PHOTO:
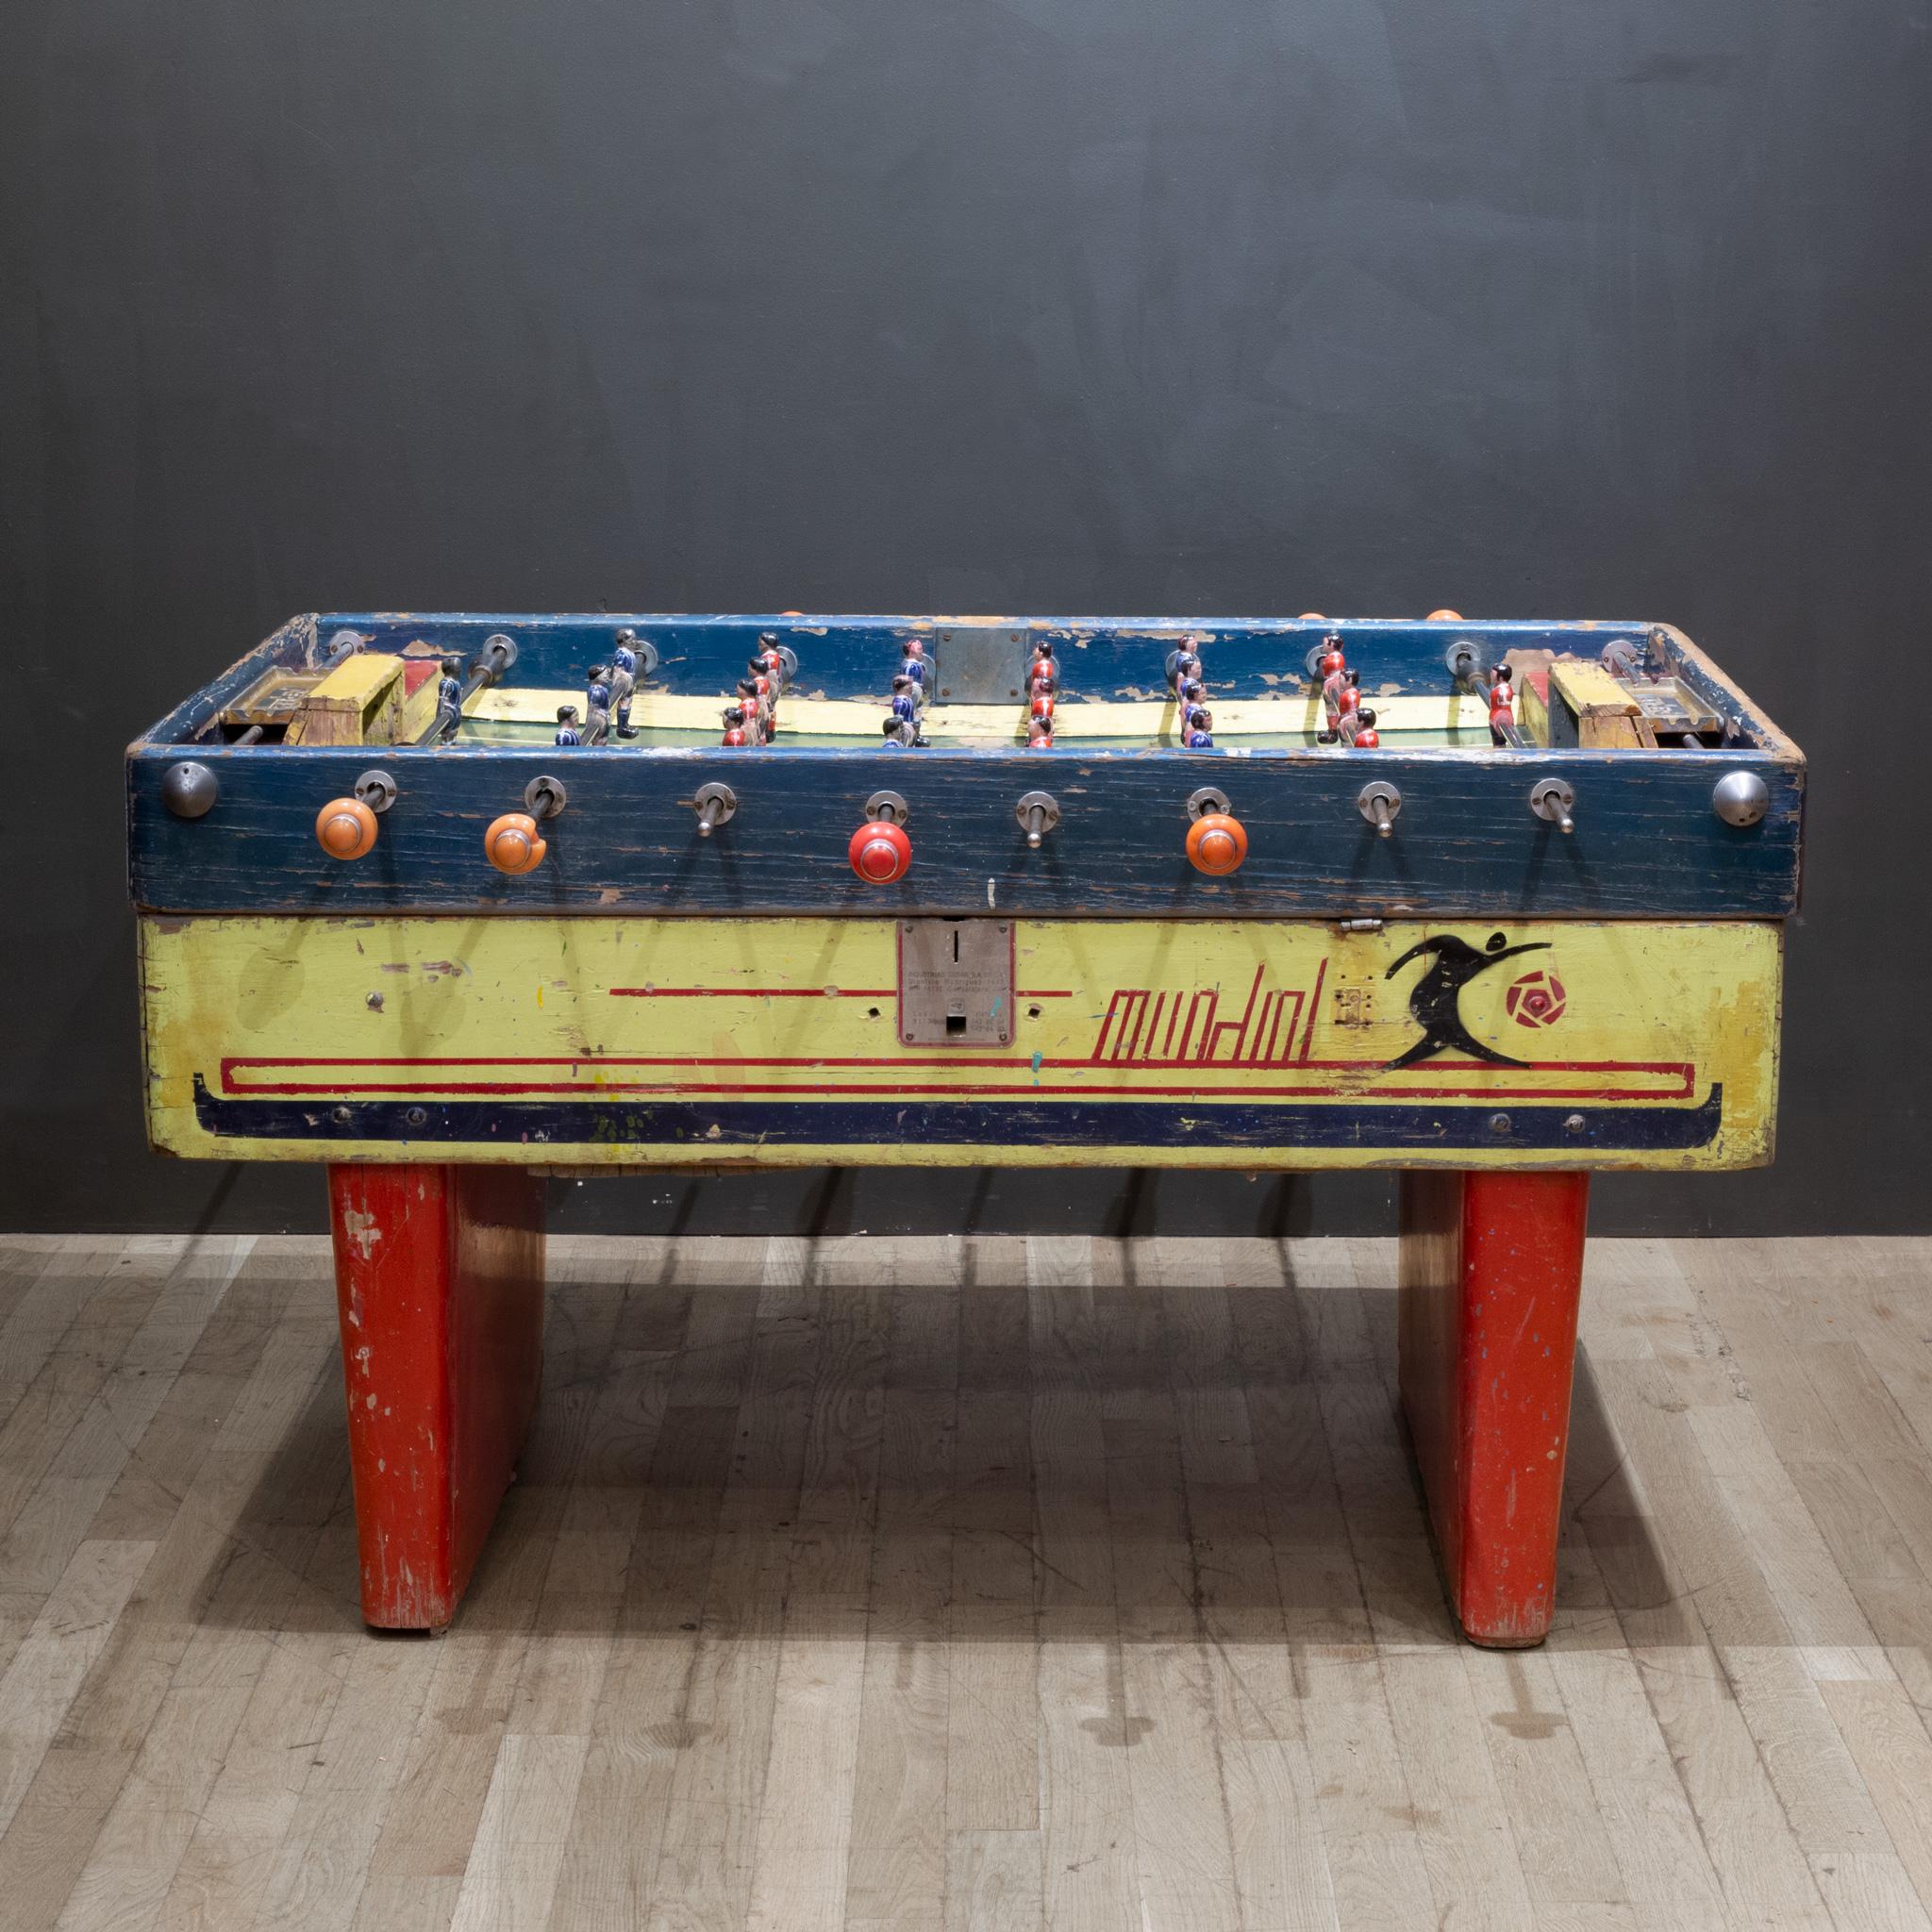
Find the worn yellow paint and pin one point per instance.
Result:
(346, 704)
(1075, 718)
(1653, 1014)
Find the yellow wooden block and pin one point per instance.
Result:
(1254, 1044)
(1606, 713)
(354, 704)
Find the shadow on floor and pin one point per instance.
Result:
(1132, 1459)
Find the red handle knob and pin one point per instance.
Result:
(880, 852)
(1216, 844)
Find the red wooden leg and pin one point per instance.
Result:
(1491, 1273)
(439, 1283)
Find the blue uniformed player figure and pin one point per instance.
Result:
(449, 698)
(1200, 730)
(914, 666)
(624, 679)
(567, 732)
(597, 704)
(904, 699)
(898, 733)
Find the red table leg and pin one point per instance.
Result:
(1492, 1272)
(440, 1282)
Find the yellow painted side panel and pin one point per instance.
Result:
(1248, 1044)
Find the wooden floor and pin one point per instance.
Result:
(1009, 1583)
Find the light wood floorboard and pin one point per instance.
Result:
(1051, 1583)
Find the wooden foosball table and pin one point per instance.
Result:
(455, 903)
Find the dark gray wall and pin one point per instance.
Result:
(1543, 307)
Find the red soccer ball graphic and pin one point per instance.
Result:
(1535, 1000)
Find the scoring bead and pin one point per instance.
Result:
(880, 852)
(512, 845)
(346, 828)
(1216, 844)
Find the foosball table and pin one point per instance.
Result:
(454, 903)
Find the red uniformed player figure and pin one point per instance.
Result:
(1044, 676)
(1366, 738)
(1043, 707)
(762, 710)
(1501, 708)
(1340, 693)
(734, 724)
(1332, 658)
(1040, 734)
(769, 660)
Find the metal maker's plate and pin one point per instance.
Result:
(981, 664)
(956, 982)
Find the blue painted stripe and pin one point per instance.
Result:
(552, 1127)
(1646, 846)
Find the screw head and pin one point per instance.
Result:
(1741, 798)
(189, 789)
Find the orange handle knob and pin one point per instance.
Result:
(1216, 844)
(1445, 617)
(513, 844)
(346, 828)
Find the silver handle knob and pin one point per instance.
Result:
(1553, 800)
(1380, 802)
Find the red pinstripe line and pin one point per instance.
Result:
(753, 993)
(592, 1091)
(1017, 1062)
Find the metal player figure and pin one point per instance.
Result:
(769, 659)
(1365, 737)
(624, 679)
(597, 704)
(449, 698)
(1502, 710)
(734, 726)
(904, 699)
(899, 734)
(1040, 734)
(1200, 735)
(1339, 692)
(567, 732)
(914, 666)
